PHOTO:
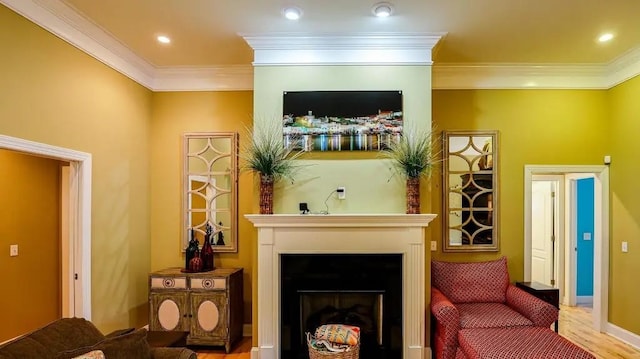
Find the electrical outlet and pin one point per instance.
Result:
(434, 246)
(13, 250)
(342, 193)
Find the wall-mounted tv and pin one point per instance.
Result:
(342, 120)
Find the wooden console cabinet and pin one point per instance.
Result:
(207, 305)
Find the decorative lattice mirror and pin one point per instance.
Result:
(210, 189)
(470, 185)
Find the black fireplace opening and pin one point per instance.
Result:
(364, 290)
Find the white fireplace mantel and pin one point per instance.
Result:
(341, 233)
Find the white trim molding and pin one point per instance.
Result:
(518, 76)
(623, 335)
(341, 233)
(342, 49)
(224, 78)
(79, 216)
(68, 24)
(584, 299)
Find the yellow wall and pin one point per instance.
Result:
(361, 174)
(30, 218)
(624, 128)
(52, 93)
(535, 127)
(175, 113)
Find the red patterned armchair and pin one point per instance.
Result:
(479, 295)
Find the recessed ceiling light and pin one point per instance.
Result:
(605, 37)
(383, 9)
(292, 12)
(163, 39)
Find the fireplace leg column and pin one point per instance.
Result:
(414, 301)
(269, 294)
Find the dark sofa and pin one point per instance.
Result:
(69, 337)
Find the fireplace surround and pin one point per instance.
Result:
(283, 234)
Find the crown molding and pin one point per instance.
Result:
(319, 49)
(512, 76)
(222, 78)
(67, 24)
(623, 68)
(342, 49)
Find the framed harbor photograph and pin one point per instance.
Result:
(342, 120)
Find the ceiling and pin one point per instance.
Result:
(483, 44)
(206, 32)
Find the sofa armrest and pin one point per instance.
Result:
(173, 353)
(447, 317)
(541, 313)
(119, 332)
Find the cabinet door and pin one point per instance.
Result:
(210, 317)
(168, 311)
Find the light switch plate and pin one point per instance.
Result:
(13, 250)
(586, 236)
(434, 246)
(625, 247)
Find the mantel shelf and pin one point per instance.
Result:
(340, 220)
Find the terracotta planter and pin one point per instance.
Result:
(266, 194)
(413, 195)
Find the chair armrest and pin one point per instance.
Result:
(541, 313)
(173, 353)
(447, 317)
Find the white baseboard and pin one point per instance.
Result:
(247, 330)
(584, 299)
(623, 335)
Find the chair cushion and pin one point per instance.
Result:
(472, 282)
(490, 315)
(521, 343)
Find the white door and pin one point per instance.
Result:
(542, 232)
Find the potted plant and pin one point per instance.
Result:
(267, 155)
(412, 157)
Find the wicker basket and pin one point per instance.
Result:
(353, 353)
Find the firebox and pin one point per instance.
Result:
(356, 289)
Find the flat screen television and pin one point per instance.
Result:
(342, 120)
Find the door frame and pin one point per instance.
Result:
(79, 216)
(601, 231)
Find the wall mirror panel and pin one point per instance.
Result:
(210, 189)
(470, 186)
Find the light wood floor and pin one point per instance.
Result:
(575, 325)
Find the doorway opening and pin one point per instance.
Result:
(561, 261)
(77, 196)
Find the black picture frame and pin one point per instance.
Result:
(342, 120)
